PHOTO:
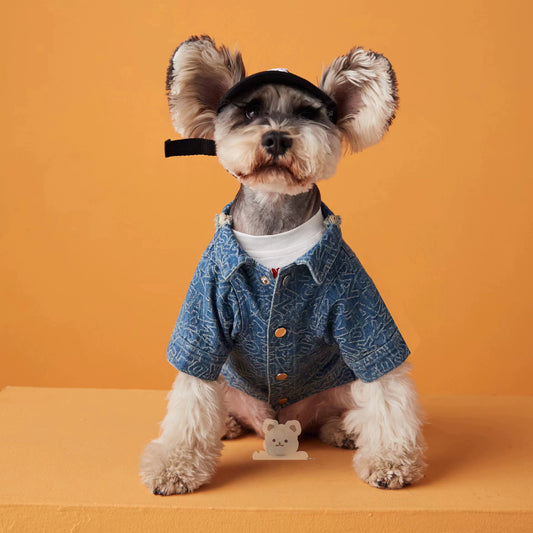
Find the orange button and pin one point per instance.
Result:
(281, 377)
(280, 332)
(283, 401)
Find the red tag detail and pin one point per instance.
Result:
(275, 272)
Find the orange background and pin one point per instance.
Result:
(100, 235)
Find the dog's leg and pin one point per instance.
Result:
(184, 456)
(323, 414)
(234, 429)
(248, 412)
(386, 420)
(334, 434)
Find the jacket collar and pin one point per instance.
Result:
(229, 256)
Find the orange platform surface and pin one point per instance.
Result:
(68, 462)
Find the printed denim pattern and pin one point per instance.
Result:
(318, 324)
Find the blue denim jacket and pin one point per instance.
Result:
(318, 324)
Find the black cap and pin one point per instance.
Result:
(280, 77)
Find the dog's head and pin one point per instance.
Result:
(279, 133)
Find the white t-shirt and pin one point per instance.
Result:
(282, 249)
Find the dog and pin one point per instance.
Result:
(281, 321)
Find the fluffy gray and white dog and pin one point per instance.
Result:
(279, 140)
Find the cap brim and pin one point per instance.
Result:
(278, 77)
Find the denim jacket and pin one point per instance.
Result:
(319, 323)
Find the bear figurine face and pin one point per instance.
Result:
(281, 439)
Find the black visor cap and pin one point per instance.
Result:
(280, 77)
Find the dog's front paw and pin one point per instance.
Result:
(234, 429)
(334, 434)
(175, 471)
(389, 471)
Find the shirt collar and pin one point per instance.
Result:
(229, 256)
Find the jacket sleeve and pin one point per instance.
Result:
(201, 340)
(368, 338)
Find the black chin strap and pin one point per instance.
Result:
(190, 147)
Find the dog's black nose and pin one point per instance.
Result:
(276, 142)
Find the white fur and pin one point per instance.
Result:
(363, 85)
(387, 422)
(381, 418)
(198, 76)
(317, 157)
(185, 454)
(386, 415)
(248, 410)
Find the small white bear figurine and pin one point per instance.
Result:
(281, 441)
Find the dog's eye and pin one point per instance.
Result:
(308, 113)
(251, 113)
(273, 440)
(252, 109)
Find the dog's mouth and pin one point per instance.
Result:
(283, 174)
(274, 170)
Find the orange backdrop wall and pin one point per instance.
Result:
(100, 235)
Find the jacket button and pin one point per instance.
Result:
(280, 332)
(265, 280)
(281, 377)
(283, 401)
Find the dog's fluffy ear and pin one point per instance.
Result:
(363, 85)
(198, 76)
